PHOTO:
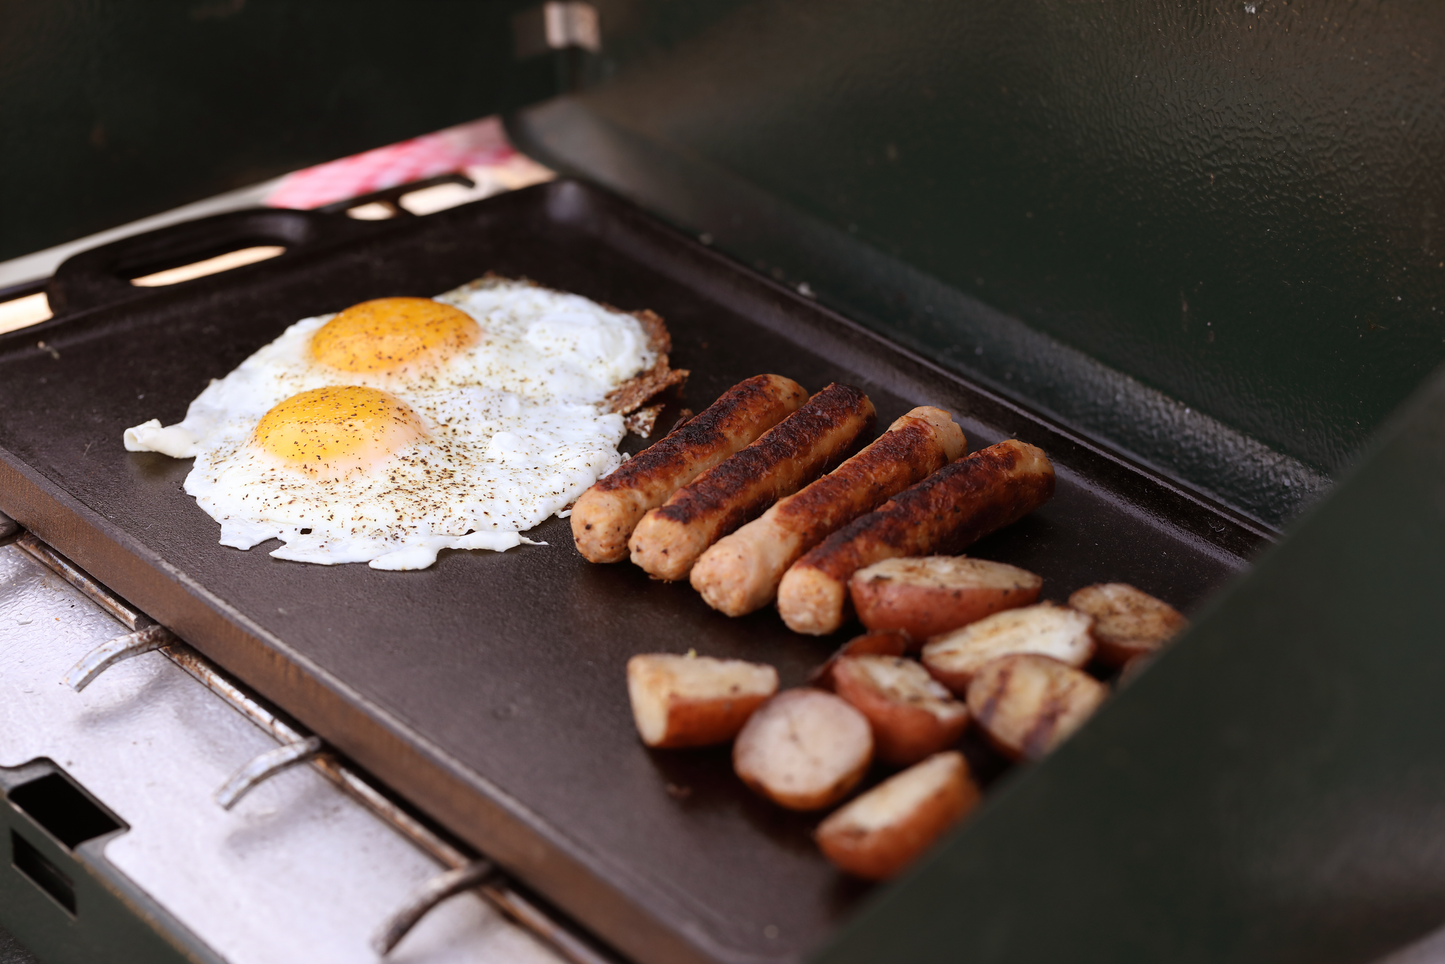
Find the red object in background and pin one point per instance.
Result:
(480, 143)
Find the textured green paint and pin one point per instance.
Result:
(1236, 205)
(1272, 789)
(114, 921)
(922, 313)
(12, 952)
(111, 112)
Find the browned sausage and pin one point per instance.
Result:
(793, 453)
(606, 514)
(740, 573)
(955, 506)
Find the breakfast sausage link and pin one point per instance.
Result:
(793, 453)
(957, 505)
(606, 514)
(740, 573)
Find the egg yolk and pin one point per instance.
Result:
(329, 432)
(393, 334)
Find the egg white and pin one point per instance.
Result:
(516, 432)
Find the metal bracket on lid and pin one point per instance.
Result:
(556, 26)
(572, 24)
(267, 765)
(107, 654)
(433, 892)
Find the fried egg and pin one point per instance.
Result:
(403, 426)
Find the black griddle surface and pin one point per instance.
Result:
(489, 689)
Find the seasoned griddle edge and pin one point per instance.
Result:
(488, 690)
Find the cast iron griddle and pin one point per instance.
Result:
(489, 689)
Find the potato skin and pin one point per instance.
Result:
(885, 643)
(696, 711)
(897, 601)
(955, 656)
(882, 852)
(1128, 622)
(905, 729)
(708, 723)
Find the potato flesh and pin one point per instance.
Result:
(912, 715)
(883, 643)
(877, 835)
(804, 749)
(907, 682)
(694, 700)
(1045, 629)
(1128, 622)
(901, 794)
(950, 572)
(928, 595)
(1029, 704)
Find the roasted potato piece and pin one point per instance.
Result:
(1127, 621)
(1029, 704)
(887, 828)
(804, 749)
(885, 643)
(912, 715)
(694, 700)
(1046, 629)
(933, 594)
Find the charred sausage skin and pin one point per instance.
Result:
(812, 440)
(604, 517)
(740, 573)
(946, 512)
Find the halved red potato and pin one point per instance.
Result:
(885, 643)
(1128, 622)
(1028, 704)
(1045, 629)
(928, 595)
(694, 700)
(887, 828)
(912, 715)
(804, 749)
